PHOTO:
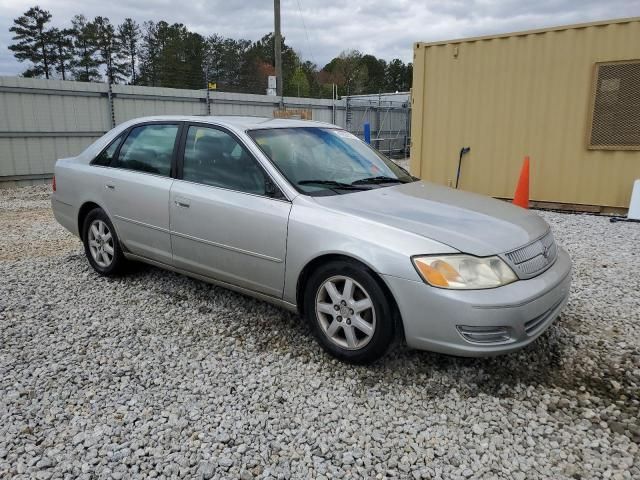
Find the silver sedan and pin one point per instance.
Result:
(306, 216)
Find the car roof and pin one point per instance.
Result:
(236, 121)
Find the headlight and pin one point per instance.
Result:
(464, 272)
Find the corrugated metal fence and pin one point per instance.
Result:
(43, 120)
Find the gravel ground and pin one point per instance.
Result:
(158, 375)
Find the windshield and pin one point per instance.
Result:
(322, 161)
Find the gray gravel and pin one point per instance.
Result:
(158, 375)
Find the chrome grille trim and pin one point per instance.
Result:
(533, 258)
(485, 335)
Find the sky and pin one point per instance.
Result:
(320, 30)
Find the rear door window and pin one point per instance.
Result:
(148, 148)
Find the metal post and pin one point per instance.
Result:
(378, 125)
(407, 128)
(208, 97)
(333, 103)
(277, 42)
(367, 133)
(111, 106)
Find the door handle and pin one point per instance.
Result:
(182, 203)
(109, 186)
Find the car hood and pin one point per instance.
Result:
(466, 221)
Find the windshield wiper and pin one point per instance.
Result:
(332, 184)
(376, 180)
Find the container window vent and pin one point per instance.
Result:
(615, 120)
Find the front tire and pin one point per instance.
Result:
(349, 312)
(101, 244)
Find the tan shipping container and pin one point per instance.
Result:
(533, 93)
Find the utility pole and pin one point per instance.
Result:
(277, 42)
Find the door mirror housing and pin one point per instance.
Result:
(271, 190)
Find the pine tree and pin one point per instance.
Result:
(129, 38)
(254, 76)
(171, 56)
(108, 49)
(148, 55)
(224, 59)
(85, 64)
(376, 69)
(33, 42)
(154, 41)
(398, 76)
(310, 70)
(192, 60)
(63, 50)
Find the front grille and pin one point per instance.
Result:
(534, 258)
(484, 334)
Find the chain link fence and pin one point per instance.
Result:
(389, 118)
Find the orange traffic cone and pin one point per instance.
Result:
(521, 197)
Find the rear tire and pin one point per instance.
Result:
(348, 310)
(101, 244)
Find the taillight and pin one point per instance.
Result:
(54, 183)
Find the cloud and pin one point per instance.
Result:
(320, 30)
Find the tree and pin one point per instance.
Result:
(181, 57)
(224, 59)
(191, 59)
(108, 49)
(33, 42)
(129, 38)
(299, 83)
(149, 55)
(85, 64)
(63, 50)
(398, 76)
(376, 69)
(169, 55)
(348, 72)
(253, 76)
(172, 56)
(310, 71)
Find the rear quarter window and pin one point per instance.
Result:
(106, 156)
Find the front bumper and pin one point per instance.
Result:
(475, 323)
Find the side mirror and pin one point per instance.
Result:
(270, 189)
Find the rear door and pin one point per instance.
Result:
(224, 224)
(137, 189)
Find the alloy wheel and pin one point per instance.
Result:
(345, 312)
(101, 243)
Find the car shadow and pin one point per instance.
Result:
(546, 362)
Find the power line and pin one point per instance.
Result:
(306, 32)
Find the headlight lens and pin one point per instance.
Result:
(464, 272)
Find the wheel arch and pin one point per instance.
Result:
(316, 262)
(82, 214)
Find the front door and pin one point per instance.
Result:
(223, 223)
